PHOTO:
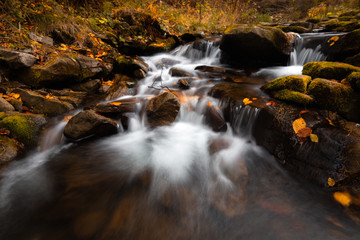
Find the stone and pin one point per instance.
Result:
(41, 39)
(345, 47)
(169, 61)
(247, 45)
(354, 80)
(354, 60)
(61, 36)
(89, 67)
(183, 84)
(113, 109)
(5, 106)
(88, 123)
(91, 86)
(293, 97)
(119, 88)
(190, 37)
(16, 60)
(26, 128)
(38, 103)
(214, 119)
(9, 150)
(297, 83)
(336, 97)
(162, 110)
(176, 72)
(131, 67)
(329, 70)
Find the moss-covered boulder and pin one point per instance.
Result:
(297, 83)
(354, 60)
(9, 150)
(341, 25)
(329, 70)
(347, 46)
(354, 80)
(26, 128)
(336, 97)
(247, 45)
(294, 97)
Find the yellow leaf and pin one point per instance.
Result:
(333, 39)
(343, 198)
(331, 182)
(247, 101)
(101, 21)
(115, 103)
(299, 124)
(314, 138)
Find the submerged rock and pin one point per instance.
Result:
(246, 45)
(329, 70)
(162, 109)
(88, 123)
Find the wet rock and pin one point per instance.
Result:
(16, 60)
(293, 97)
(9, 150)
(354, 80)
(162, 110)
(246, 45)
(183, 84)
(89, 67)
(41, 104)
(354, 60)
(176, 72)
(336, 97)
(5, 106)
(329, 70)
(41, 39)
(119, 88)
(297, 83)
(296, 29)
(68, 93)
(190, 37)
(131, 67)
(91, 86)
(113, 109)
(169, 61)
(88, 123)
(347, 46)
(162, 45)
(17, 104)
(26, 128)
(214, 119)
(337, 25)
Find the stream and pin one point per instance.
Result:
(183, 181)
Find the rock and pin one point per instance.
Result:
(329, 70)
(246, 45)
(347, 46)
(68, 93)
(89, 67)
(131, 67)
(40, 104)
(91, 86)
(117, 108)
(26, 128)
(17, 104)
(297, 29)
(61, 36)
(88, 123)
(336, 97)
(5, 106)
(214, 119)
(119, 88)
(10, 150)
(293, 97)
(169, 61)
(297, 83)
(334, 25)
(354, 60)
(190, 37)
(16, 60)
(176, 72)
(183, 84)
(162, 45)
(162, 110)
(354, 80)
(41, 39)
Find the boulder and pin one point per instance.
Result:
(354, 80)
(26, 128)
(162, 109)
(41, 39)
(347, 46)
(114, 109)
(119, 88)
(88, 123)
(214, 119)
(47, 105)
(176, 72)
(336, 97)
(354, 60)
(16, 60)
(329, 70)
(339, 25)
(183, 84)
(297, 83)
(131, 67)
(91, 86)
(10, 150)
(293, 97)
(5, 106)
(246, 45)
(89, 67)
(190, 37)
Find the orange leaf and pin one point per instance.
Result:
(4, 131)
(246, 101)
(343, 198)
(66, 118)
(330, 122)
(314, 138)
(271, 103)
(304, 111)
(331, 182)
(299, 124)
(115, 103)
(304, 132)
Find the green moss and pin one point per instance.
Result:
(295, 82)
(2, 115)
(294, 97)
(20, 128)
(354, 80)
(331, 95)
(329, 70)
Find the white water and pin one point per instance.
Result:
(203, 184)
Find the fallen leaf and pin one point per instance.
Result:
(299, 124)
(115, 103)
(304, 111)
(4, 131)
(330, 122)
(271, 103)
(314, 138)
(66, 118)
(246, 101)
(304, 132)
(343, 198)
(333, 39)
(331, 182)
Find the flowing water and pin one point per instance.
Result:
(182, 181)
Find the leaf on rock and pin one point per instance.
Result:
(271, 103)
(331, 182)
(115, 103)
(304, 132)
(330, 122)
(246, 101)
(343, 198)
(314, 138)
(299, 124)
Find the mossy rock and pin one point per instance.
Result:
(297, 29)
(162, 45)
(354, 60)
(329, 70)
(26, 128)
(295, 82)
(294, 97)
(335, 97)
(354, 80)
(341, 26)
(345, 47)
(9, 150)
